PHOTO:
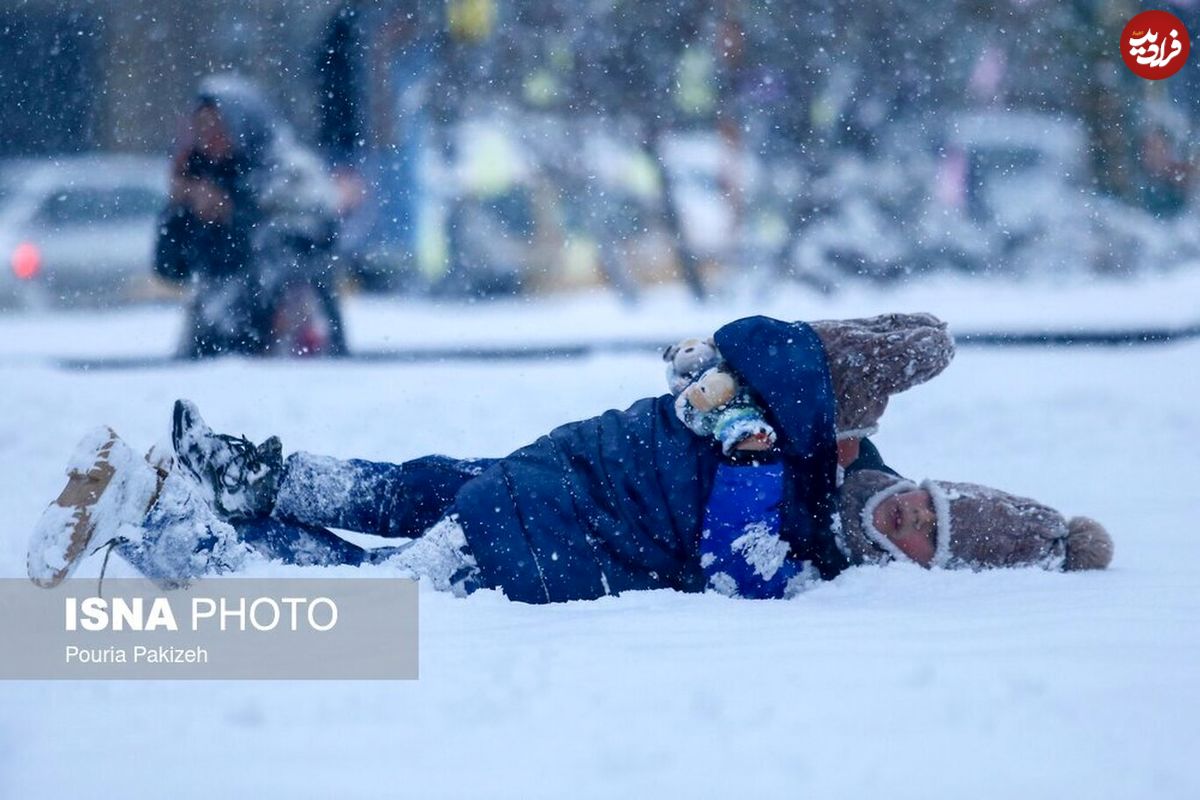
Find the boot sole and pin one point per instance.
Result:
(104, 479)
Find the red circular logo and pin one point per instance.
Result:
(1155, 45)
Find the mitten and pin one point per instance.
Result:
(872, 359)
(716, 405)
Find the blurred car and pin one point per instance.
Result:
(79, 230)
(995, 193)
(1017, 164)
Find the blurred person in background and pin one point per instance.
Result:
(251, 224)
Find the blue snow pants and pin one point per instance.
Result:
(390, 500)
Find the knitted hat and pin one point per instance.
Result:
(977, 527)
(874, 358)
(982, 527)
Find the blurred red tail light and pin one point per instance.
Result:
(26, 261)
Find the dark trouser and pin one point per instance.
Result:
(391, 500)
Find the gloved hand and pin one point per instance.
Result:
(716, 405)
(871, 359)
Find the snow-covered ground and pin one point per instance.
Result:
(888, 682)
(667, 314)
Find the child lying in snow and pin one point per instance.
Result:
(627, 500)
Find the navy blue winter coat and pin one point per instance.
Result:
(617, 502)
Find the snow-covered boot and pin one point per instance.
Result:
(240, 479)
(180, 537)
(109, 488)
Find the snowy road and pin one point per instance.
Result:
(889, 682)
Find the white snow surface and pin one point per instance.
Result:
(664, 313)
(887, 682)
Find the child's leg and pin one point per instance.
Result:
(302, 545)
(394, 500)
(441, 556)
(180, 537)
(179, 548)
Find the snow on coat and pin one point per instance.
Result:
(617, 502)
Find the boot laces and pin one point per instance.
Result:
(245, 461)
(111, 544)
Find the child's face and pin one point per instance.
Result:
(909, 521)
(212, 139)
